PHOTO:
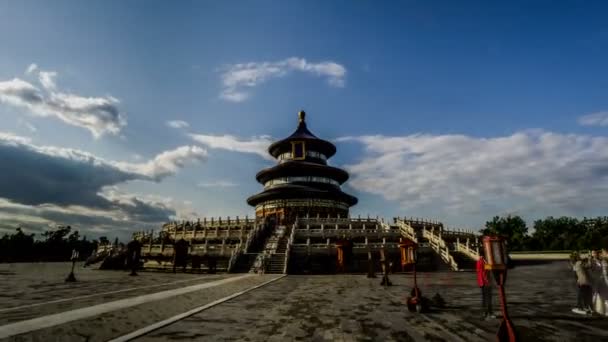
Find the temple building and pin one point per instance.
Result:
(301, 184)
(302, 224)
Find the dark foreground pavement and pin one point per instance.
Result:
(321, 308)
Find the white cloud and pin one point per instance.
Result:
(594, 119)
(31, 68)
(166, 163)
(257, 145)
(13, 139)
(47, 79)
(99, 115)
(178, 124)
(248, 75)
(217, 184)
(531, 172)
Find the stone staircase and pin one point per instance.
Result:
(244, 262)
(455, 255)
(255, 245)
(276, 264)
(276, 250)
(464, 262)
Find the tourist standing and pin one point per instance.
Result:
(583, 295)
(483, 281)
(597, 282)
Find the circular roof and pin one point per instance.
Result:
(303, 134)
(296, 191)
(302, 168)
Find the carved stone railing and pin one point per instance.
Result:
(439, 245)
(362, 246)
(289, 243)
(406, 230)
(467, 249)
(233, 257)
(304, 233)
(337, 223)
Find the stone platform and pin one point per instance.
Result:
(35, 299)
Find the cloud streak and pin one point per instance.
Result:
(99, 115)
(178, 124)
(239, 77)
(217, 184)
(594, 119)
(256, 145)
(533, 172)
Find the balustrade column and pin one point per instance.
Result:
(151, 241)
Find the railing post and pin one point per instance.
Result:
(151, 241)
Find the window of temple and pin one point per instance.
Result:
(313, 154)
(298, 150)
(284, 180)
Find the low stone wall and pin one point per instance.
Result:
(540, 256)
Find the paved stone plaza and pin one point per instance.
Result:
(317, 308)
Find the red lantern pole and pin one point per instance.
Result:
(506, 331)
(494, 247)
(414, 302)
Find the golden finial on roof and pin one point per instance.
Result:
(302, 115)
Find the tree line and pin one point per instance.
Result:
(54, 245)
(551, 233)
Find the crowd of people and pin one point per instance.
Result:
(592, 282)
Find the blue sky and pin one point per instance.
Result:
(454, 111)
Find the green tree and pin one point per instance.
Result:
(513, 228)
(562, 233)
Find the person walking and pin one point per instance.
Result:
(483, 281)
(583, 295)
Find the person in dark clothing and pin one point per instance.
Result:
(180, 254)
(133, 256)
